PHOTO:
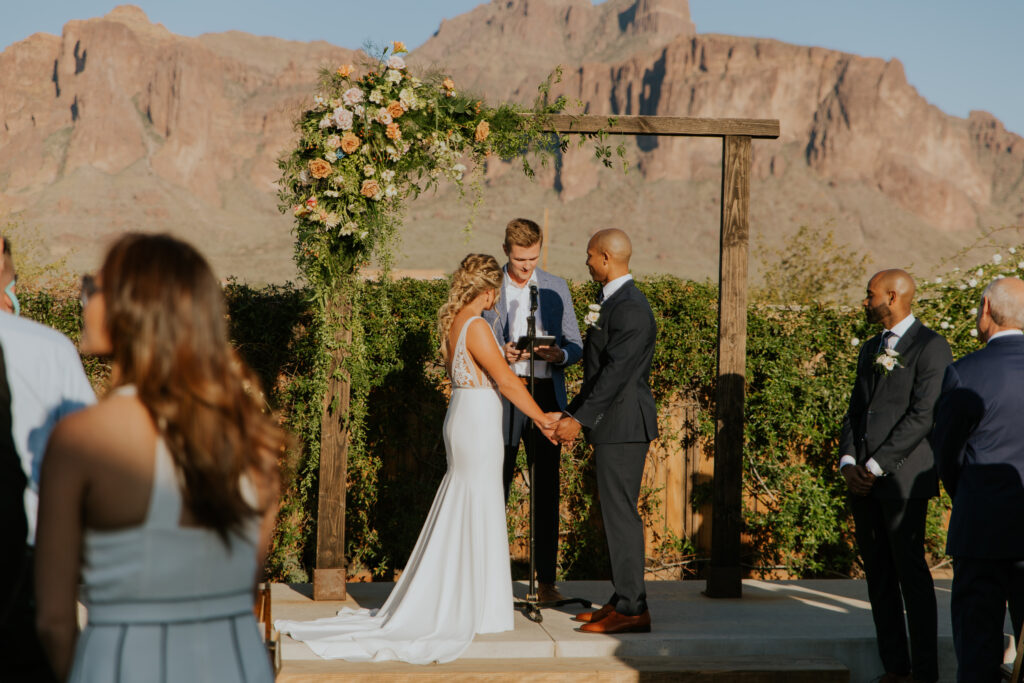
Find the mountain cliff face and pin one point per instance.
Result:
(119, 124)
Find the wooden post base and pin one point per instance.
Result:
(329, 584)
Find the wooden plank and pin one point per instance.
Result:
(662, 125)
(329, 576)
(724, 577)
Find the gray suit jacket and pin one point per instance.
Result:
(557, 318)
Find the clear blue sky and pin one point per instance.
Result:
(960, 55)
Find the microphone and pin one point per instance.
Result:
(533, 297)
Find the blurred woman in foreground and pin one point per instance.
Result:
(162, 497)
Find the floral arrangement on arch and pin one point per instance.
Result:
(370, 141)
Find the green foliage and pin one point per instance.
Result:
(811, 267)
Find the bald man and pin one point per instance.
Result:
(979, 443)
(890, 472)
(615, 409)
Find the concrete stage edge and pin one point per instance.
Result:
(829, 619)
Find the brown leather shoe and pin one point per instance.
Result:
(548, 592)
(620, 623)
(596, 615)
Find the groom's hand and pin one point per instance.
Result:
(547, 427)
(858, 479)
(567, 430)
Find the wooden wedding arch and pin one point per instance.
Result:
(725, 574)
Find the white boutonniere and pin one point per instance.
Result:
(592, 316)
(888, 360)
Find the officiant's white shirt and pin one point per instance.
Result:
(47, 382)
(518, 303)
(898, 330)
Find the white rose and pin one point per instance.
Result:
(343, 118)
(591, 317)
(359, 110)
(886, 361)
(331, 157)
(394, 76)
(892, 353)
(383, 117)
(352, 96)
(406, 98)
(396, 62)
(459, 168)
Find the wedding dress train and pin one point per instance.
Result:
(457, 582)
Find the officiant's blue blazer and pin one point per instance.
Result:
(557, 318)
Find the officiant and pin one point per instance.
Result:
(555, 317)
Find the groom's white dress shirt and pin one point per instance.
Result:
(613, 286)
(897, 332)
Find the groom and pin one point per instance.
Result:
(616, 409)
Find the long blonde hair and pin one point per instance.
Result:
(166, 315)
(476, 274)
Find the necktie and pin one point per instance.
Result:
(600, 296)
(888, 340)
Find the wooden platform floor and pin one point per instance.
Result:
(778, 631)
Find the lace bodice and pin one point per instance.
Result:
(464, 372)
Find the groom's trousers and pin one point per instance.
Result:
(620, 469)
(545, 457)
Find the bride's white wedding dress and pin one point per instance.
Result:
(457, 582)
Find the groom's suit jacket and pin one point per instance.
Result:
(979, 443)
(615, 404)
(557, 319)
(890, 415)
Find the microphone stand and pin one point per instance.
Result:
(532, 606)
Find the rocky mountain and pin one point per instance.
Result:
(119, 124)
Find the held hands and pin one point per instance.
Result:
(858, 479)
(567, 430)
(547, 426)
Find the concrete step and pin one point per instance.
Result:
(739, 669)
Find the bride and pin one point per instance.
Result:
(457, 582)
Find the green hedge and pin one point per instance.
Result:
(799, 373)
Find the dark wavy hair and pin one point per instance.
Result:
(167, 319)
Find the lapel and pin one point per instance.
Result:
(902, 346)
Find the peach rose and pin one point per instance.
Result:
(370, 188)
(319, 168)
(483, 129)
(394, 132)
(349, 143)
(345, 70)
(395, 109)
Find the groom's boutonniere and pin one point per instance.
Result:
(888, 360)
(592, 316)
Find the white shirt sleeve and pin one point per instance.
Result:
(872, 466)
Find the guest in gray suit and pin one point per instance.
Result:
(555, 317)
(890, 471)
(979, 443)
(616, 409)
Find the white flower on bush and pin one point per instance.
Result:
(972, 282)
(332, 193)
(396, 62)
(1012, 250)
(944, 325)
(855, 342)
(376, 97)
(332, 220)
(974, 311)
(938, 280)
(352, 96)
(1020, 265)
(974, 332)
(997, 258)
(343, 118)
(364, 234)
(369, 170)
(963, 285)
(979, 272)
(304, 177)
(394, 76)
(359, 110)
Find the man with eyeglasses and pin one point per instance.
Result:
(46, 381)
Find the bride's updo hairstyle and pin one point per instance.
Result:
(167, 321)
(476, 274)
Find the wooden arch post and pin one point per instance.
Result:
(724, 577)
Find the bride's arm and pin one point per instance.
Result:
(487, 354)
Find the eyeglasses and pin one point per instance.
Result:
(88, 289)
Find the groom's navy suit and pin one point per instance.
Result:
(619, 417)
(979, 443)
(557, 318)
(889, 419)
